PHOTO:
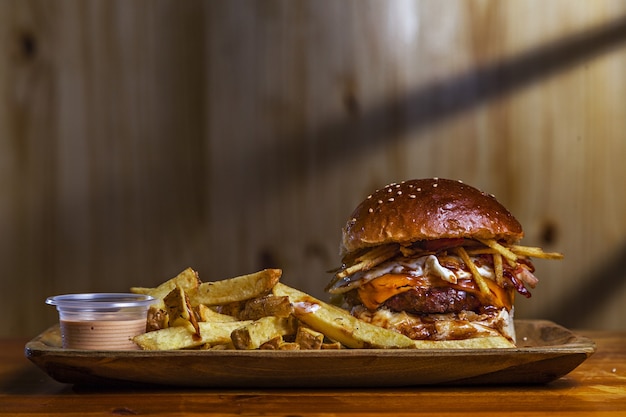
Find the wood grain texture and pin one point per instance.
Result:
(140, 138)
(597, 387)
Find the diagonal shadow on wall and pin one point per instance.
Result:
(439, 101)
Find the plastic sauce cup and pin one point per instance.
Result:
(101, 321)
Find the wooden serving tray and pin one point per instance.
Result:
(545, 352)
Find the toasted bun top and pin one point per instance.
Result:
(428, 209)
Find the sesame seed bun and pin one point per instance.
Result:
(428, 209)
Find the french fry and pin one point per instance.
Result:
(184, 337)
(338, 324)
(309, 339)
(492, 342)
(187, 280)
(230, 309)
(235, 289)
(179, 309)
(289, 346)
(256, 333)
(269, 305)
(535, 252)
(480, 281)
(205, 313)
(157, 319)
(371, 258)
(500, 249)
(278, 343)
(498, 269)
(273, 344)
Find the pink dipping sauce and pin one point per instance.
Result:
(101, 321)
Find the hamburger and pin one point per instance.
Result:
(436, 260)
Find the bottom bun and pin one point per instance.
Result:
(455, 330)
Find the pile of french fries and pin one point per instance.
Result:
(253, 311)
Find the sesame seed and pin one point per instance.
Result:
(369, 196)
(380, 201)
(397, 185)
(411, 195)
(419, 188)
(390, 189)
(399, 192)
(390, 200)
(435, 185)
(371, 210)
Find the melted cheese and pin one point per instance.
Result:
(376, 291)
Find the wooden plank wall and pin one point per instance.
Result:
(139, 137)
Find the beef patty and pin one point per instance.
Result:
(433, 300)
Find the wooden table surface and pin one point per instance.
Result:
(595, 388)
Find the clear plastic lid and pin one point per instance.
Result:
(100, 302)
